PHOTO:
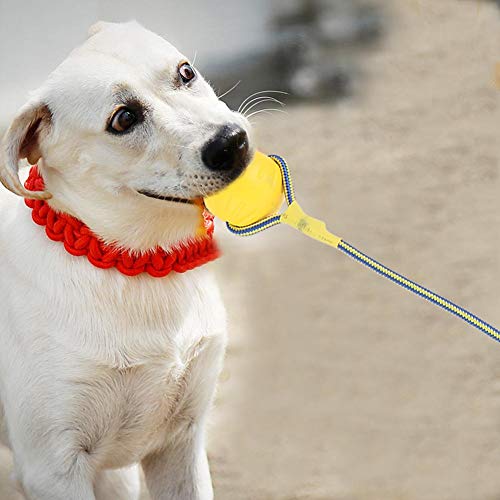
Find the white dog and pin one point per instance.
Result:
(101, 372)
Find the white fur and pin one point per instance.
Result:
(99, 371)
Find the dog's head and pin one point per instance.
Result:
(127, 125)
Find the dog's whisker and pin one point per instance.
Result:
(264, 110)
(262, 97)
(194, 57)
(259, 102)
(249, 100)
(264, 113)
(242, 109)
(264, 92)
(261, 92)
(257, 97)
(230, 90)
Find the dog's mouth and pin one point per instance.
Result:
(221, 183)
(173, 199)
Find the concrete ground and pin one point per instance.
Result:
(339, 385)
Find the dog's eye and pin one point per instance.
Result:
(187, 73)
(122, 120)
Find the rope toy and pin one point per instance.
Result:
(79, 240)
(251, 203)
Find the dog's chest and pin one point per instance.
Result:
(163, 356)
(131, 412)
(156, 372)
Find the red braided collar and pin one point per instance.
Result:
(79, 240)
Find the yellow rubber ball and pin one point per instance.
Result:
(256, 194)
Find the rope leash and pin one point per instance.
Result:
(295, 217)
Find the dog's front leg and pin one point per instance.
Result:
(39, 481)
(180, 471)
(50, 463)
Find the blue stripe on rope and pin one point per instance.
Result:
(286, 177)
(257, 227)
(346, 250)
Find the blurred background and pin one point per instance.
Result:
(337, 384)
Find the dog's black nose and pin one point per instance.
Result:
(227, 150)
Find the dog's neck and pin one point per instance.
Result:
(125, 218)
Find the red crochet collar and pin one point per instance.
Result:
(79, 240)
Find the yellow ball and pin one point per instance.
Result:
(257, 193)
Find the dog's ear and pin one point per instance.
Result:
(22, 140)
